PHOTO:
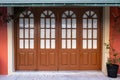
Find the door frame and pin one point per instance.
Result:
(11, 52)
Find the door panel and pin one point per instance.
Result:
(25, 39)
(68, 56)
(89, 55)
(47, 52)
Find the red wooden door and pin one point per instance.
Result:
(58, 39)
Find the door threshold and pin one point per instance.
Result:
(56, 72)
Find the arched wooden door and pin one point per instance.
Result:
(58, 39)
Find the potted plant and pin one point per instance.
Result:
(112, 62)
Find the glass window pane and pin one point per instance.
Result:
(94, 33)
(31, 33)
(52, 33)
(31, 15)
(71, 12)
(94, 44)
(26, 33)
(84, 23)
(84, 16)
(91, 13)
(21, 44)
(53, 44)
(63, 44)
(42, 44)
(21, 23)
(42, 15)
(42, 23)
(63, 23)
(48, 44)
(68, 33)
(89, 44)
(31, 23)
(53, 23)
(63, 33)
(88, 13)
(21, 33)
(45, 12)
(47, 23)
(49, 12)
(73, 23)
(68, 23)
(52, 15)
(73, 44)
(94, 23)
(47, 33)
(84, 44)
(42, 33)
(21, 15)
(26, 44)
(66, 12)
(28, 12)
(89, 33)
(73, 33)
(89, 23)
(84, 33)
(73, 15)
(95, 16)
(31, 44)
(26, 23)
(68, 44)
(63, 15)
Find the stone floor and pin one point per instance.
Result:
(57, 75)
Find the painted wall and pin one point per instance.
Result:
(115, 29)
(3, 43)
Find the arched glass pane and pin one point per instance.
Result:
(63, 15)
(95, 16)
(52, 15)
(49, 12)
(42, 15)
(84, 16)
(66, 12)
(21, 15)
(92, 13)
(31, 15)
(21, 23)
(45, 12)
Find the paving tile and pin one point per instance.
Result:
(57, 75)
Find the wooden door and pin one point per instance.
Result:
(61, 38)
(47, 51)
(26, 38)
(90, 52)
(68, 52)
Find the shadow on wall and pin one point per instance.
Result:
(3, 44)
(115, 29)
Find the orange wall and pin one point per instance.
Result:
(115, 29)
(3, 44)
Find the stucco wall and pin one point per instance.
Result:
(115, 29)
(3, 43)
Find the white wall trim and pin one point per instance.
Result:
(106, 32)
(10, 33)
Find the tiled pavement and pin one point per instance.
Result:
(58, 75)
